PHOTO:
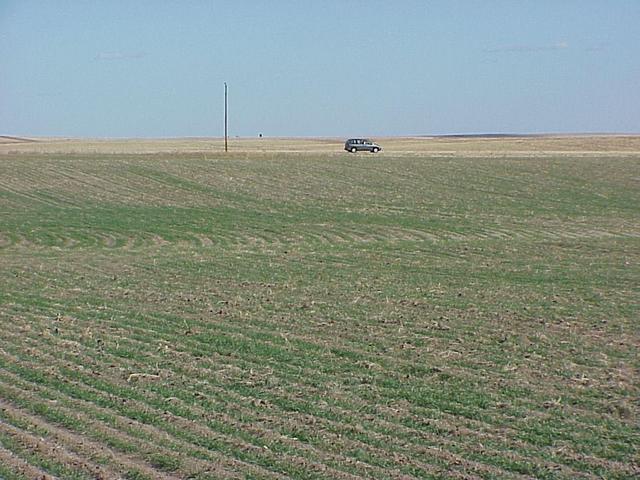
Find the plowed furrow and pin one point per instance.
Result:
(434, 440)
(201, 434)
(16, 465)
(150, 439)
(144, 438)
(50, 449)
(364, 447)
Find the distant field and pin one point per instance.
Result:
(449, 308)
(603, 145)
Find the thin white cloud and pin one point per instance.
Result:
(528, 48)
(119, 56)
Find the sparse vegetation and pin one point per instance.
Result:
(413, 314)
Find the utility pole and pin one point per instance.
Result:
(226, 148)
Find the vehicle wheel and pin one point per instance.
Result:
(375, 150)
(354, 149)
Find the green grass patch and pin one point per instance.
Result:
(306, 316)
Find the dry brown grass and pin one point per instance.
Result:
(395, 146)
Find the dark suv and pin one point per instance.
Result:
(354, 145)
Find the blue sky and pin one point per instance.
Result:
(323, 68)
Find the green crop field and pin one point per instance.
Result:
(304, 315)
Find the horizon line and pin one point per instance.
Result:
(28, 138)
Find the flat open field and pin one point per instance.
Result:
(449, 308)
(602, 145)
